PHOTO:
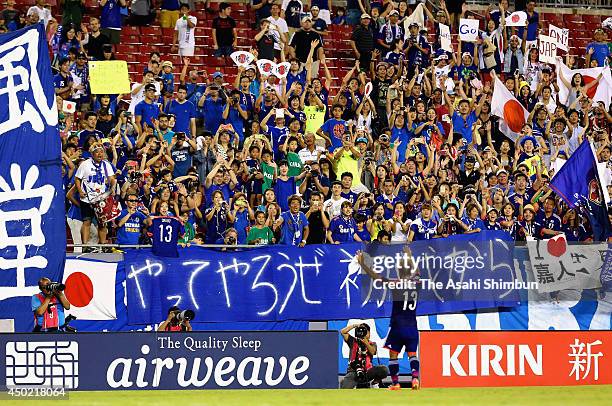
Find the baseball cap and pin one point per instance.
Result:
(217, 74)
(394, 12)
(502, 171)
(167, 63)
(314, 7)
(492, 209)
(365, 15)
(150, 86)
(470, 159)
(306, 18)
(82, 55)
(361, 139)
(466, 54)
(412, 24)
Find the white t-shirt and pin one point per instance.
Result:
(333, 207)
(186, 38)
(43, 13)
(94, 179)
(398, 233)
(281, 27)
(140, 96)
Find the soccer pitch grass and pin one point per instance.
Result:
(540, 396)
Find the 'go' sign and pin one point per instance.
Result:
(468, 29)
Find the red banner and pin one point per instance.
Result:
(527, 358)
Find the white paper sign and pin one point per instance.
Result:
(445, 38)
(242, 58)
(561, 35)
(548, 49)
(468, 29)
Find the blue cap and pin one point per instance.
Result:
(217, 75)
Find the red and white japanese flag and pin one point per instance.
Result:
(90, 289)
(602, 91)
(517, 19)
(512, 113)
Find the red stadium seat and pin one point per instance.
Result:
(130, 30)
(152, 31)
(591, 19)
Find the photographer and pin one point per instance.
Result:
(177, 320)
(48, 306)
(235, 113)
(360, 370)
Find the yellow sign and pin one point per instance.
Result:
(315, 118)
(109, 77)
(532, 163)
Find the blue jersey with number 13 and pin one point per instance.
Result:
(166, 232)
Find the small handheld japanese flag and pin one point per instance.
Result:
(242, 58)
(280, 113)
(517, 19)
(68, 106)
(90, 289)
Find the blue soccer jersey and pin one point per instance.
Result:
(166, 232)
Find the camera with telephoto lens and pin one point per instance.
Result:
(384, 138)
(368, 158)
(308, 168)
(231, 240)
(185, 315)
(56, 286)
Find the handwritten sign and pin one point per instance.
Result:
(109, 77)
(445, 38)
(468, 29)
(561, 35)
(548, 49)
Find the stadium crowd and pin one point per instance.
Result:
(419, 156)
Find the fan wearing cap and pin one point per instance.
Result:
(492, 221)
(362, 41)
(514, 55)
(303, 40)
(390, 32)
(318, 23)
(465, 68)
(530, 228)
(147, 110)
(212, 106)
(80, 73)
(417, 49)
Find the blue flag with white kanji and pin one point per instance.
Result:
(32, 214)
